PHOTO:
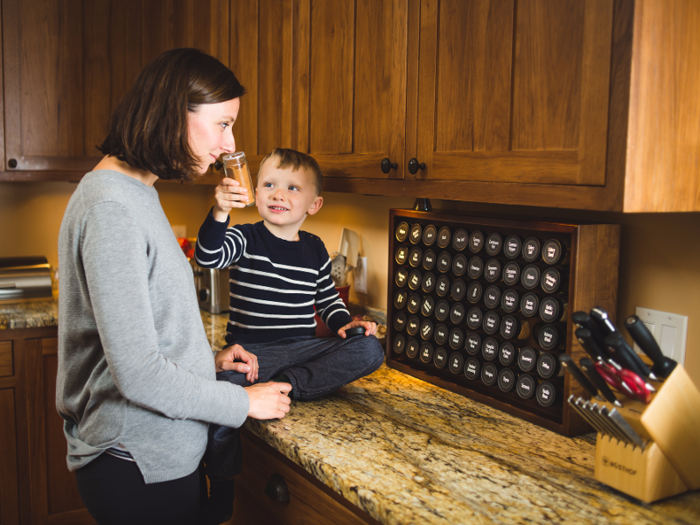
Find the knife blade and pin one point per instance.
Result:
(623, 355)
(594, 421)
(584, 414)
(579, 376)
(663, 366)
(624, 426)
(600, 384)
(612, 430)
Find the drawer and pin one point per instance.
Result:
(7, 367)
(310, 502)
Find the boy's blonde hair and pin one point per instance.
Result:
(296, 159)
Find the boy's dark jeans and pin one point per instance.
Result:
(315, 367)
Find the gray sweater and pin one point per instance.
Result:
(134, 364)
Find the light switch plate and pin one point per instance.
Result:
(669, 330)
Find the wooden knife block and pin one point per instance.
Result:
(670, 462)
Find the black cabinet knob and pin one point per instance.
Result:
(387, 165)
(414, 166)
(12, 163)
(277, 489)
(218, 165)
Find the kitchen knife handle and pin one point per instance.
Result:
(623, 354)
(598, 382)
(602, 321)
(583, 320)
(589, 344)
(663, 366)
(579, 376)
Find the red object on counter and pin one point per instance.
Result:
(321, 329)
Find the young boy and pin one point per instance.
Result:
(278, 274)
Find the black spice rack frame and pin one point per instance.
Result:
(473, 303)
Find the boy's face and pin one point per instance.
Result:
(284, 198)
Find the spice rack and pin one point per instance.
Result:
(440, 268)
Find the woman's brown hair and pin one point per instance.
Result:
(148, 129)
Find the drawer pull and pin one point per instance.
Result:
(277, 489)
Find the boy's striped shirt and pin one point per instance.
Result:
(275, 284)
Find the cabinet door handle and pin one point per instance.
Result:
(12, 163)
(277, 489)
(218, 165)
(413, 166)
(387, 165)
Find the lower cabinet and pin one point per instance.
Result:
(35, 485)
(272, 490)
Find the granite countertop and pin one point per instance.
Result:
(406, 451)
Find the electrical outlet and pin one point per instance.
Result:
(360, 275)
(669, 330)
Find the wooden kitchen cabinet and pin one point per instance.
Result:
(36, 486)
(573, 104)
(324, 77)
(9, 483)
(309, 501)
(66, 64)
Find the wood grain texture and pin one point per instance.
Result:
(514, 92)
(663, 148)
(244, 64)
(54, 494)
(6, 359)
(9, 496)
(646, 475)
(331, 76)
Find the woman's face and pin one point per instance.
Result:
(210, 131)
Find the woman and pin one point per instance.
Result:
(136, 375)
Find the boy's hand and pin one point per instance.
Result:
(369, 326)
(237, 359)
(228, 194)
(268, 400)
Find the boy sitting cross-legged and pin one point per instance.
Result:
(278, 274)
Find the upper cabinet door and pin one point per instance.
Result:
(350, 72)
(514, 91)
(67, 63)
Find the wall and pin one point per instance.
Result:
(658, 262)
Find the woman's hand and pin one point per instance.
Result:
(237, 359)
(268, 400)
(369, 326)
(228, 194)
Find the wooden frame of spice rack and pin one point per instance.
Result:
(593, 272)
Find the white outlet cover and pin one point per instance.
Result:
(360, 275)
(669, 330)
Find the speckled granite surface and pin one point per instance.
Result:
(408, 452)
(29, 314)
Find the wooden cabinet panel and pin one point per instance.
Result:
(54, 492)
(357, 87)
(325, 77)
(514, 92)
(7, 367)
(9, 497)
(67, 63)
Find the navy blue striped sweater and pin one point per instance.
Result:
(275, 284)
